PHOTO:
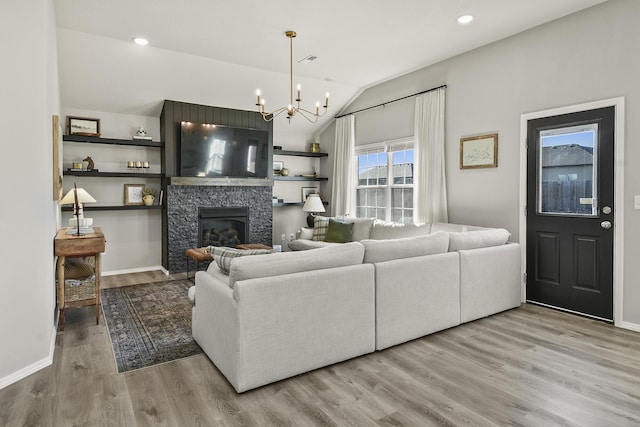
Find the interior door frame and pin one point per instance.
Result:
(618, 180)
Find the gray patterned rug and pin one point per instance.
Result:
(149, 323)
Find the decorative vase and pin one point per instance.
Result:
(314, 147)
(148, 200)
(284, 172)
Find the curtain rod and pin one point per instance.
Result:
(389, 102)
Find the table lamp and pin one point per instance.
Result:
(77, 197)
(313, 205)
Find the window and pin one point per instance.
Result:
(384, 187)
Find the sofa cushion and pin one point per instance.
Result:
(478, 239)
(305, 244)
(340, 255)
(394, 230)
(445, 226)
(338, 232)
(320, 225)
(407, 247)
(224, 255)
(361, 228)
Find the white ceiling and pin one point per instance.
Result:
(218, 52)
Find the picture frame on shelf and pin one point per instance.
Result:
(133, 194)
(479, 151)
(305, 191)
(277, 167)
(83, 126)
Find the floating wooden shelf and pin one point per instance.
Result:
(112, 141)
(114, 174)
(298, 153)
(113, 208)
(299, 178)
(285, 204)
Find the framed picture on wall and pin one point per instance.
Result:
(83, 126)
(133, 194)
(306, 191)
(479, 152)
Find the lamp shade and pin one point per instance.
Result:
(83, 197)
(313, 203)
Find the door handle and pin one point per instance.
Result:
(605, 224)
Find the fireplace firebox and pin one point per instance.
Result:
(223, 226)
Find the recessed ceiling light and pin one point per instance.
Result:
(140, 41)
(465, 19)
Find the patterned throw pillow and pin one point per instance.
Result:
(320, 225)
(224, 255)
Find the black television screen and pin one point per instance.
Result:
(212, 151)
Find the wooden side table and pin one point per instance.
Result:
(68, 245)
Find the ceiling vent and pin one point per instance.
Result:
(307, 59)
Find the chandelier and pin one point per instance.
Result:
(291, 109)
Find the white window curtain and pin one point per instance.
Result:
(430, 188)
(342, 200)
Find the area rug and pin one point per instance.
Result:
(149, 323)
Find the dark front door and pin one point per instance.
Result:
(570, 194)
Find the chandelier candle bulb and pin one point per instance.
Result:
(258, 95)
(299, 87)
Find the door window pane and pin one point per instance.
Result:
(567, 171)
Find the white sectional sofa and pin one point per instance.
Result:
(278, 315)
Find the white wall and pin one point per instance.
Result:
(134, 237)
(30, 97)
(591, 55)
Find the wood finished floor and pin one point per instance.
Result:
(530, 366)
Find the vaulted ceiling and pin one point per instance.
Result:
(218, 53)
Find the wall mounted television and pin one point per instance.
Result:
(214, 151)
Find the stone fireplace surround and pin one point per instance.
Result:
(183, 196)
(183, 202)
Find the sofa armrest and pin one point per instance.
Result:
(215, 320)
(490, 280)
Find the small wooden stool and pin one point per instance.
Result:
(198, 255)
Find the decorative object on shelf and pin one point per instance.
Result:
(90, 164)
(312, 204)
(314, 147)
(148, 195)
(277, 167)
(277, 147)
(284, 172)
(133, 194)
(83, 126)
(77, 197)
(290, 109)
(277, 201)
(141, 133)
(76, 166)
(479, 152)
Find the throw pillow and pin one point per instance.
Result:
(320, 224)
(224, 255)
(338, 232)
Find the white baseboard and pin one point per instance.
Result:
(34, 367)
(135, 270)
(631, 326)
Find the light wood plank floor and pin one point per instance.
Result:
(530, 366)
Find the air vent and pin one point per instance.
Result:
(307, 59)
